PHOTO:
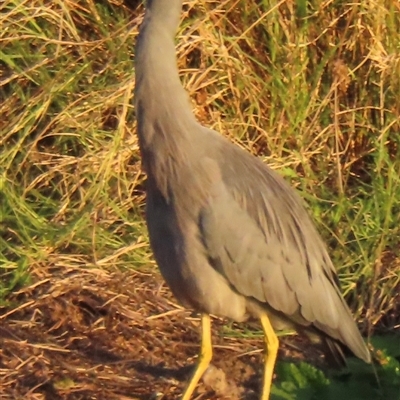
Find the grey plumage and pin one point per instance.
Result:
(229, 235)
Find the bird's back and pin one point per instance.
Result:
(259, 235)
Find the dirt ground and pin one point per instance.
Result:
(93, 334)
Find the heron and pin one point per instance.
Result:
(230, 236)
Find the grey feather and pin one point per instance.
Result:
(229, 235)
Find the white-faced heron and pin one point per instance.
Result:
(229, 235)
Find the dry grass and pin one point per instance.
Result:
(312, 89)
(84, 334)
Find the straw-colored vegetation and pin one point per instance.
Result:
(312, 88)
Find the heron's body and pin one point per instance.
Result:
(230, 236)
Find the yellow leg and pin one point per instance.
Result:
(205, 356)
(271, 351)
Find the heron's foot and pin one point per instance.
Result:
(204, 357)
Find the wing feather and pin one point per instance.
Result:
(260, 237)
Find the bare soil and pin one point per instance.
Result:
(93, 334)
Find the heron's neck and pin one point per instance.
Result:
(163, 110)
(164, 13)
